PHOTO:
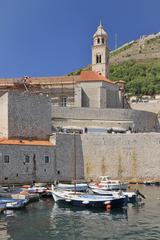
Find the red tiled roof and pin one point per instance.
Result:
(93, 76)
(84, 76)
(25, 142)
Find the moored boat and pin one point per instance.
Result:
(106, 183)
(132, 197)
(14, 203)
(78, 187)
(88, 200)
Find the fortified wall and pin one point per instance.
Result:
(138, 121)
(125, 156)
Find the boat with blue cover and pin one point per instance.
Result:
(14, 203)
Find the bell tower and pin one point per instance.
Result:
(100, 51)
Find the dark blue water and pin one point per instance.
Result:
(44, 220)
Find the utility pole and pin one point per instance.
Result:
(116, 41)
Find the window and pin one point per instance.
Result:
(64, 101)
(27, 158)
(102, 40)
(98, 40)
(98, 58)
(6, 158)
(46, 158)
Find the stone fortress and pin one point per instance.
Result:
(52, 128)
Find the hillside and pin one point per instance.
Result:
(138, 64)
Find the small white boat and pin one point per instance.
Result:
(78, 187)
(106, 183)
(131, 196)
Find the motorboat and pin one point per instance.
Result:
(106, 183)
(88, 200)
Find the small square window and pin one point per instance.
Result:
(6, 158)
(63, 101)
(27, 159)
(46, 159)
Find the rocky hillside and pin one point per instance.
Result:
(138, 64)
(146, 48)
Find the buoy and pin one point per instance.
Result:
(108, 205)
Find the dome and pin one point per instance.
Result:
(100, 31)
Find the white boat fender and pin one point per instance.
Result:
(85, 202)
(68, 200)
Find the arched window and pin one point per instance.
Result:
(102, 40)
(98, 40)
(98, 58)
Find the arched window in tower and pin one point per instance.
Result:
(102, 40)
(98, 58)
(98, 40)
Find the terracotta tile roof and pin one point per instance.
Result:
(25, 142)
(39, 80)
(93, 76)
(52, 80)
(84, 76)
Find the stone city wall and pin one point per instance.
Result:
(126, 156)
(84, 156)
(152, 106)
(139, 121)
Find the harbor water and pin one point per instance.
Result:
(45, 220)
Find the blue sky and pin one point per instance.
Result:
(54, 37)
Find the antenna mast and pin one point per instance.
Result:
(116, 41)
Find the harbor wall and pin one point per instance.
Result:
(84, 156)
(127, 156)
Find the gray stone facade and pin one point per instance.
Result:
(97, 95)
(19, 169)
(25, 116)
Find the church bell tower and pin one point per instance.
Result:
(100, 51)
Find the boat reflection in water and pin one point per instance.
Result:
(111, 215)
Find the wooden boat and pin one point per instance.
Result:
(106, 183)
(88, 200)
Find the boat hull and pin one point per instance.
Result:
(89, 201)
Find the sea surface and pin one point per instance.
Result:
(45, 220)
